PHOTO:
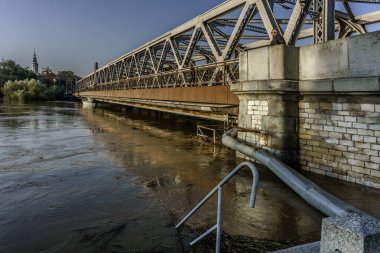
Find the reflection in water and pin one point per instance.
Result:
(76, 180)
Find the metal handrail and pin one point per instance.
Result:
(219, 189)
(198, 77)
(201, 134)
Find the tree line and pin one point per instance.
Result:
(18, 83)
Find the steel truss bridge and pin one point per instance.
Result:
(203, 52)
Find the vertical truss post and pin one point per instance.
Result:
(324, 24)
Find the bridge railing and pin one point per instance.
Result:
(216, 74)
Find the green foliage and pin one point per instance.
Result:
(51, 87)
(66, 75)
(31, 89)
(10, 71)
(47, 76)
(67, 78)
(54, 92)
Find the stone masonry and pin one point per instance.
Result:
(257, 109)
(340, 137)
(318, 106)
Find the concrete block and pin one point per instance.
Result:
(283, 108)
(236, 87)
(243, 66)
(271, 85)
(278, 85)
(350, 233)
(306, 248)
(283, 141)
(356, 84)
(364, 55)
(279, 124)
(327, 60)
(316, 86)
(283, 62)
(258, 64)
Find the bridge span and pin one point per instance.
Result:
(313, 102)
(189, 69)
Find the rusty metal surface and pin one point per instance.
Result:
(219, 115)
(205, 94)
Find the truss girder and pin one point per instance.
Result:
(245, 16)
(232, 23)
(216, 36)
(296, 22)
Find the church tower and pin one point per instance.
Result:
(35, 63)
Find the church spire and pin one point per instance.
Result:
(35, 63)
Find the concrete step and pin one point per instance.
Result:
(306, 248)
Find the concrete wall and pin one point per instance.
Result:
(319, 104)
(354, 57)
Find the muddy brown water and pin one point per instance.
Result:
(106, 180)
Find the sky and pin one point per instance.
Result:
(74, 34)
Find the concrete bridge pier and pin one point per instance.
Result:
(88, 102)
(268, 94)
(317, 106)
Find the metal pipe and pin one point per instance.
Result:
(309, 191)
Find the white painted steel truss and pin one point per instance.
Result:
(202, 50)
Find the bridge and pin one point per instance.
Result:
(189, 69)
(314, 102)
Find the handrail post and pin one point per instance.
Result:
(219, 220)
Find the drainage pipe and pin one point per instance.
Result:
(309, 191)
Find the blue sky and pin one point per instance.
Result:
(73, 34)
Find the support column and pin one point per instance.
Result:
(324, 23)
(268, 94)
(88, 102)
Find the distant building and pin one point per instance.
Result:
(35, 64)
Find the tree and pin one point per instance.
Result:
(28, 89)
(47, 76)
(67, 79)
(10, 71)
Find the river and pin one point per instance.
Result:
(112, 180)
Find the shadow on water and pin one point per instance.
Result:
(113, 180)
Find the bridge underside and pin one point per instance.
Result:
(211, 102)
